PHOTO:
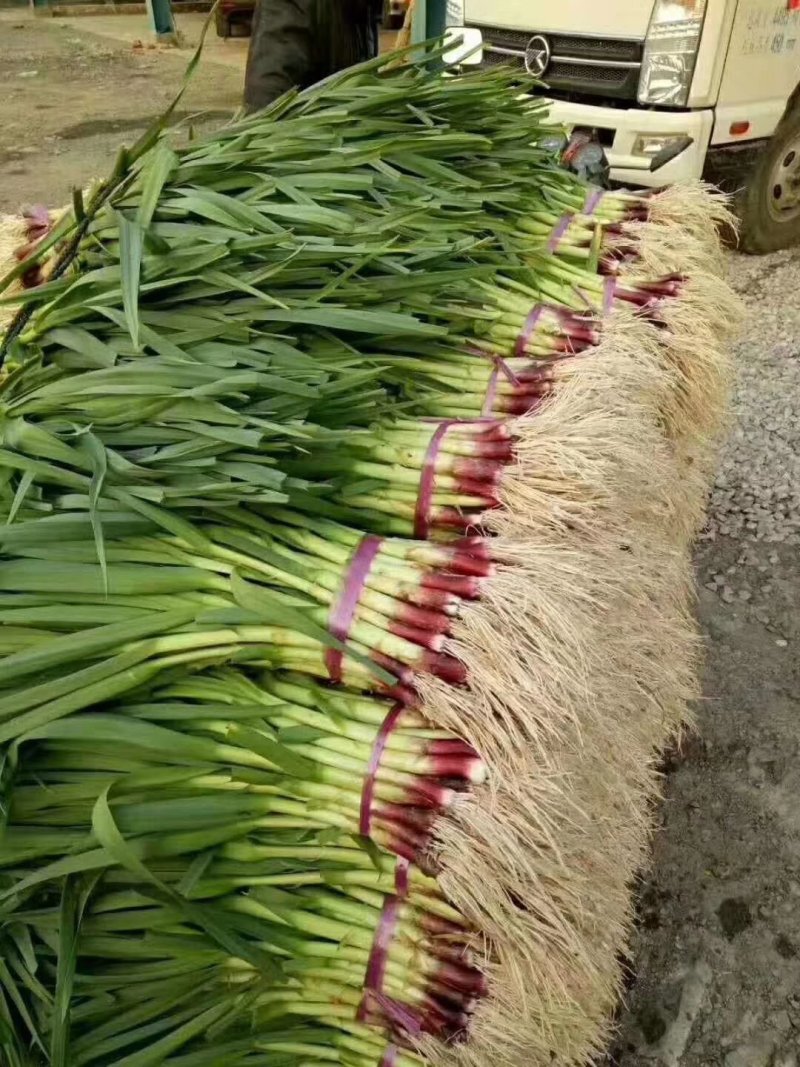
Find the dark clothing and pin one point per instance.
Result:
(296, 43)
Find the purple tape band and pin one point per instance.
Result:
(425, 496)
(368, 791)
(422, 511)
(343, 609)
(499, 363)
(491, 392)
(379, 956)
(503, 368)
(390, 1057)
(609, 292)
(500, 367)
(527, 328)
(401, 877)
(593, 198)
(564, 315)
(397, 1013)
(559, 230)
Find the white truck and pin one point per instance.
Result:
(676, 89)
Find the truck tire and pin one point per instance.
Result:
(769, 204)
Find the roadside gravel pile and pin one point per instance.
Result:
(716, 955)
(756, 495)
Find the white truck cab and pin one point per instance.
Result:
(693, 88)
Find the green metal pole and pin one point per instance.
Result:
(162, 21)
(429, 18)
(419, 28)
(435, 17)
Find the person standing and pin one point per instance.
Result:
(296, 43)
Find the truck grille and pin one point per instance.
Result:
(579, 66)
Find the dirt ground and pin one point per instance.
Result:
(717, 955)
(68, 99)
(73, 89)
(716, 961)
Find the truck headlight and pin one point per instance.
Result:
(454, 13)
(670, 52)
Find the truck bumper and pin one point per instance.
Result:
(621, 127)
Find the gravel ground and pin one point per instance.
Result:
(716, 958)
(757, 492)
(717, 954)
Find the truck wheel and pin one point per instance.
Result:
(769, 205)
